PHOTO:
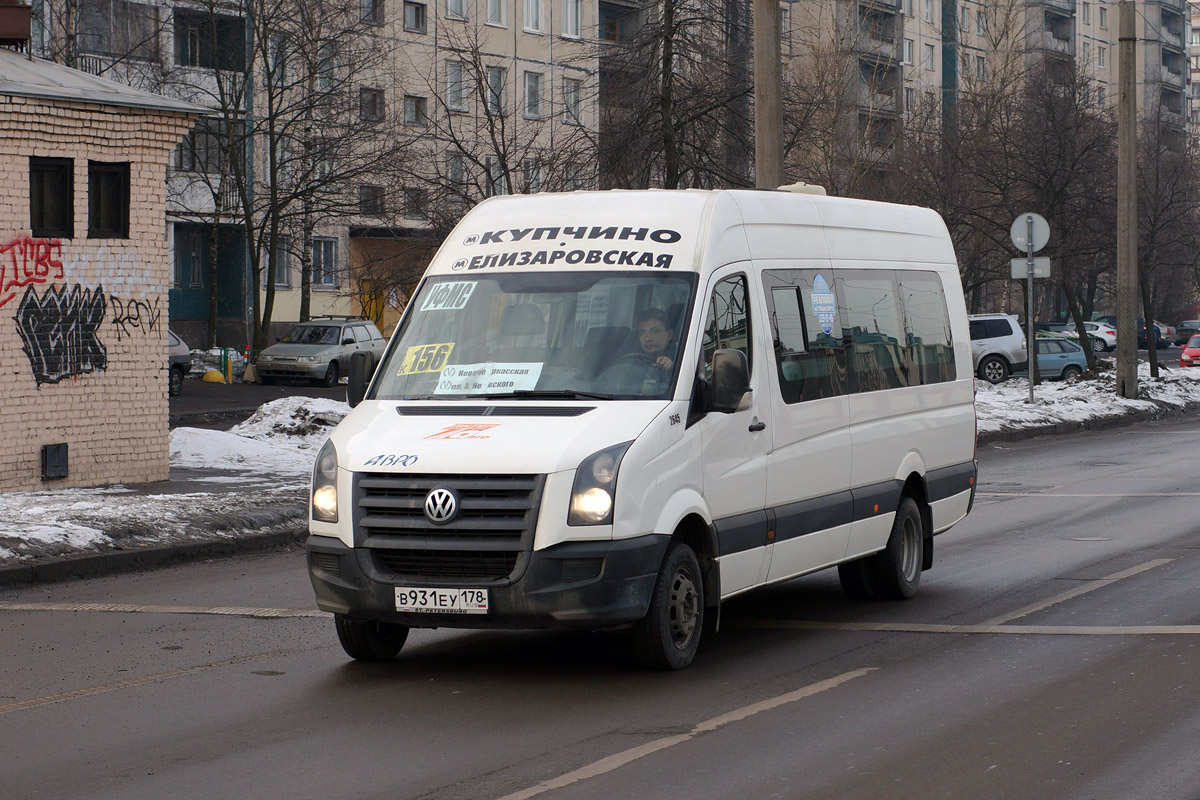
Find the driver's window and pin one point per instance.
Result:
(727, 326)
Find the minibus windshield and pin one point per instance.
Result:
(593, 335)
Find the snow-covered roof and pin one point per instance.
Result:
(22, 76)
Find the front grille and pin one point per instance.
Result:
(484, 542)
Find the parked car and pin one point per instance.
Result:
(1053, 327)
(1190, 357)
(1060, 358)
(1160, 331)
(1185, 330)
(997, 346)
(1101, 337)
(179, 363)
(319, 351)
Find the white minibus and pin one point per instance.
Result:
(620, 408)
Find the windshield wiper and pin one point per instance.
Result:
(551, 394)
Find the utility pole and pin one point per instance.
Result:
(1127, 282)
(768, 114)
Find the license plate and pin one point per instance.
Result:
(442, 601)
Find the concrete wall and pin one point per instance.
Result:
(83, 322)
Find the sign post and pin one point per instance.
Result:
(1030, 232)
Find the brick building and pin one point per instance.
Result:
(84, 273)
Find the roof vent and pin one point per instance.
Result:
(803, 188)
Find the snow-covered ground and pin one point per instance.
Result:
(255, 476)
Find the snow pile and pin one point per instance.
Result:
(222, 483)
(1005, 406)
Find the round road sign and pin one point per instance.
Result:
(1020, 231)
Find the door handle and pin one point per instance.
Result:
(758, 426)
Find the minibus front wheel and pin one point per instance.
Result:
(667, 637)
(367, 640)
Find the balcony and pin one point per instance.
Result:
(1047, 41)
(877, 100)
(886, 6)
(1066, 7)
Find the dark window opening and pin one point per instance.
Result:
(108, 200)
(209, 40)
(52, 197)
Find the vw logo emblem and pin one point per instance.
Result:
(441, 506)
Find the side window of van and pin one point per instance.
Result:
(873, 324)
(806, 333)
(927, 326)
(728, 324)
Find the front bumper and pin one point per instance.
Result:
(292, 369)
(574, 584)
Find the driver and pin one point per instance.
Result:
(655, 336)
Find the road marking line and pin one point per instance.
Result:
(156, 678)
(1090, 586)
(125, 608)
(1093, 494)
(619, 760)
(1010, 630)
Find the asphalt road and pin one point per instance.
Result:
(1053, 652)
(217, 404)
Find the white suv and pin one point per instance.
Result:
(997, 346)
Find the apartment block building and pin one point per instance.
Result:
(372, 130)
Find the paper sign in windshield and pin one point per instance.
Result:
(488, 378)
(449, 296)
(823, 304)
(425, 358)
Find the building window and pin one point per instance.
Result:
(574, 177)
(327, 63)
(414, 203)
(1103, 18)
(108, 200)
(907, 57)
(494, 91)
(371, 11)
(533, 16)
(324, 262)
(456, 176)
(532, 171)
(1085, 12)
(283, 265)
(572, 101)
(980, 68)
(203, 149)
(52, 197)
(196, 274)
(572, 18)
(908, 8)
(980, 22)
(928, 62)
(1101, 55)
(497, 181)
(370, 201)
(1101, 96)
(910, 98)
(209, 40)
(370, 105)
(415, 110)
(414, 17)
(495, 12)
(118, 28)
(965, 23)
(533, 95)
(456, 9)
(456, 96)
(612, 23)
(929, 10)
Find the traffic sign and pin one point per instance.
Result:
(1020, 231)
(1020, 267)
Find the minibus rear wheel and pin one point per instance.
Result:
(367, 640)
(897, 568)
(667, 637)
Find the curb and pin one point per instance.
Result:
(1161, 412)
(98, 564)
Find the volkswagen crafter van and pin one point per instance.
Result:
(607, 409)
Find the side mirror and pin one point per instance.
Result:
(348, 340)
(731, 381)
(356, 386)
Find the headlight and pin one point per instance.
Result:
(324, 485)
(308, 358)
(266, 358)
(595, 487)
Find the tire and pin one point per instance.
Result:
(364, 640)
(1071, 373)
(1098, 346)
(993, 369)
(896, 570)
(175, 382)
(331, 375)
(857, 582)
(667, 637)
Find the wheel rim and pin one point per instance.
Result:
(993, 371)
(1097, 346)
(176, 382)
(683, 608)
(910, 539)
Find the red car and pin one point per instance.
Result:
(1190, 357)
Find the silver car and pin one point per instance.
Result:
(997, 346)
(319, 351)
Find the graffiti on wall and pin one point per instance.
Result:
(134, 316)
(26, 260)
(59, 331)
